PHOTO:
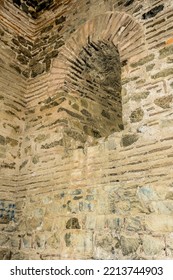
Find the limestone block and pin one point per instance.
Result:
(106, 246)
(152, 245)
(159, 223)
(129, 244)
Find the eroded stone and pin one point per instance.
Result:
(129, 139)
(164, 102)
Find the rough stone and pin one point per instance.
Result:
(166, 51)
(22, 59)
(34, 8)
(164, 102)
(137, 115)
(143, 61)
(53, 144)
(35, 159)
(153, 12)
(59, 44)
(140, 96)
(73, 223)
(152, 245)
(150, 67)
(22, 41)
(16, 67)
(163, 73)
(23, 164)
(129, 245)
(60, 20)
(5, 254)
(11, 141)
(73, 185)
(37, 69)
(129, 139)
(47, 29)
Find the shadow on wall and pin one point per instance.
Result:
(94, 82)
(34, 7)
(89, 87)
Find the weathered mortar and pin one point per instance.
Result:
(110, 198)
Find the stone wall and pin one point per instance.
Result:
(104, 192)
(33, 7)
(12, 105)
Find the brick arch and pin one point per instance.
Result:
(111, 37)
(120, 28)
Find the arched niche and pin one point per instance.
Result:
(87, 75)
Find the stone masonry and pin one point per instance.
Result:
(86, 129)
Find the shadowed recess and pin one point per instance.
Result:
(95, 81)
(33, 7)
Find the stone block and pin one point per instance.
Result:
(164, 102)
(106, 246)
(143, 61)
(5, 254)
(152, 245)
(129, 139)
(129, 244)
(137, 115)
(159, 223)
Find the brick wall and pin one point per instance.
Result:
(12, 105)
(80, 196)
